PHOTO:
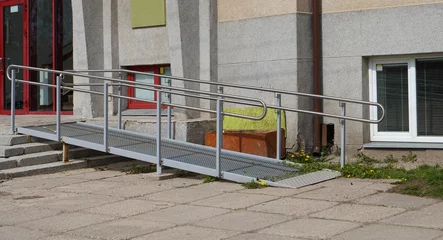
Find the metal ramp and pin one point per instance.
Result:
(181, 155)
(169, 152)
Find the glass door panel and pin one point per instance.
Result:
(142, 93)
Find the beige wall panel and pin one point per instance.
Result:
(229, 10)
(330, 6)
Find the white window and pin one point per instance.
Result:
(411, 90)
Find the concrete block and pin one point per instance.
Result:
(30, 148)
(259, 236)
(358, 213)
(66, 222)
(182, 214)
(234, 200)
(128, 207)
(243, 221)
(24, 214)
(7, 163)
(428, 217)
(388, 232)
(121, 229)
(188, 233)
(293, 206)
(37, 158)
(41, 169)
(336, 194)
(310, 228)
(397, 200)
(9, 232)
(10, 140)
(10, 151)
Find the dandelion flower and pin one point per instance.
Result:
(349, 176)
(371, 171)
(389, 177)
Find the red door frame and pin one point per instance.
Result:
(3, 77)
(132, 104)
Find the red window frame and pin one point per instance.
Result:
(133, 104)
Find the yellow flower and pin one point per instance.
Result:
(349, 176)
(292, 155)
(307, 157)
(389, 177)
(371, 171)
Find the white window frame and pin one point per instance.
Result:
(412, 135)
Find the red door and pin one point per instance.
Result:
(13, 50)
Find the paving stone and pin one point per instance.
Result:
(78, 202)
(25, 214)
(189, 233)
(132, 191)
(16, 233)
(293, 206)
(42, 183)
(193, 193)
(282, 192)
(397, 200)
(260, 236)
(143, 179)
(128, 208)
(336, 194)
(96, 175)
(65, 237)
(89, 187)
(65, 222)
(243, 221)
(388, 232)
(121, 229)
(310, 228)
(182, 214)
(381, 187)
(234, 200)
(346, 183)
(358, 213)
(428, 217)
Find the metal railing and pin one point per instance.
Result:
(219, 97)
(278, 103)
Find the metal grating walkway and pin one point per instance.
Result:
(182, 155)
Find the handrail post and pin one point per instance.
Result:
(278, 103)
(119, 103)
(58, 105)
(13, 76)
(105, 116)
(159, 132)
(169, 110)
(219, 133)
(343, 135)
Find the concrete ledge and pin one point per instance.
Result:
(10, 151)
(37, 158)
(402, 145)
(10, 140)
(41, 169)
(6, 163)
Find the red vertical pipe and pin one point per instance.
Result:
(317, 62)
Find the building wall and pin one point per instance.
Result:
(351, 36)
(269, 44)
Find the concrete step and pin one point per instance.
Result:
(37, 158)
(42, 169)
(11, 140)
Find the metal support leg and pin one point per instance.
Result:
(105, 117)
(159, 132)
(219, 132)
(119, 104)
(59, 105)
(343, 135)
(13, 76)
(278, 102)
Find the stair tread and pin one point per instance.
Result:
(40, 166)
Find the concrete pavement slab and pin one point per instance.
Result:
(381, 187)
(234, 200)
(188, 233)
(260, 236)
(77, 202)
(16, 233)
(358, 213)
(25, 214)
(134, 190)
(121, 229)
(42, 183)
(282, 192)
(336, 194)
(182, 214)
(428, 217)
(65, 237)
(293, 206)
(397, 200)
(346, 183)
(89, 186)
(96, 175)
(388, 232)
(243, 221)
(310, 228)
(128, 208)
(65, 222)
(143, 179)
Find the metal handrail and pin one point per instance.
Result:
(276, 91)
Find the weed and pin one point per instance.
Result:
(137, 169)
(390, 159)
(183, 173)
(208, 179)
(410, 157)
(254, 185)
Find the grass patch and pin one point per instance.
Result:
(137, 169)
(254, 185)
(424, 180)
(208, 179)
